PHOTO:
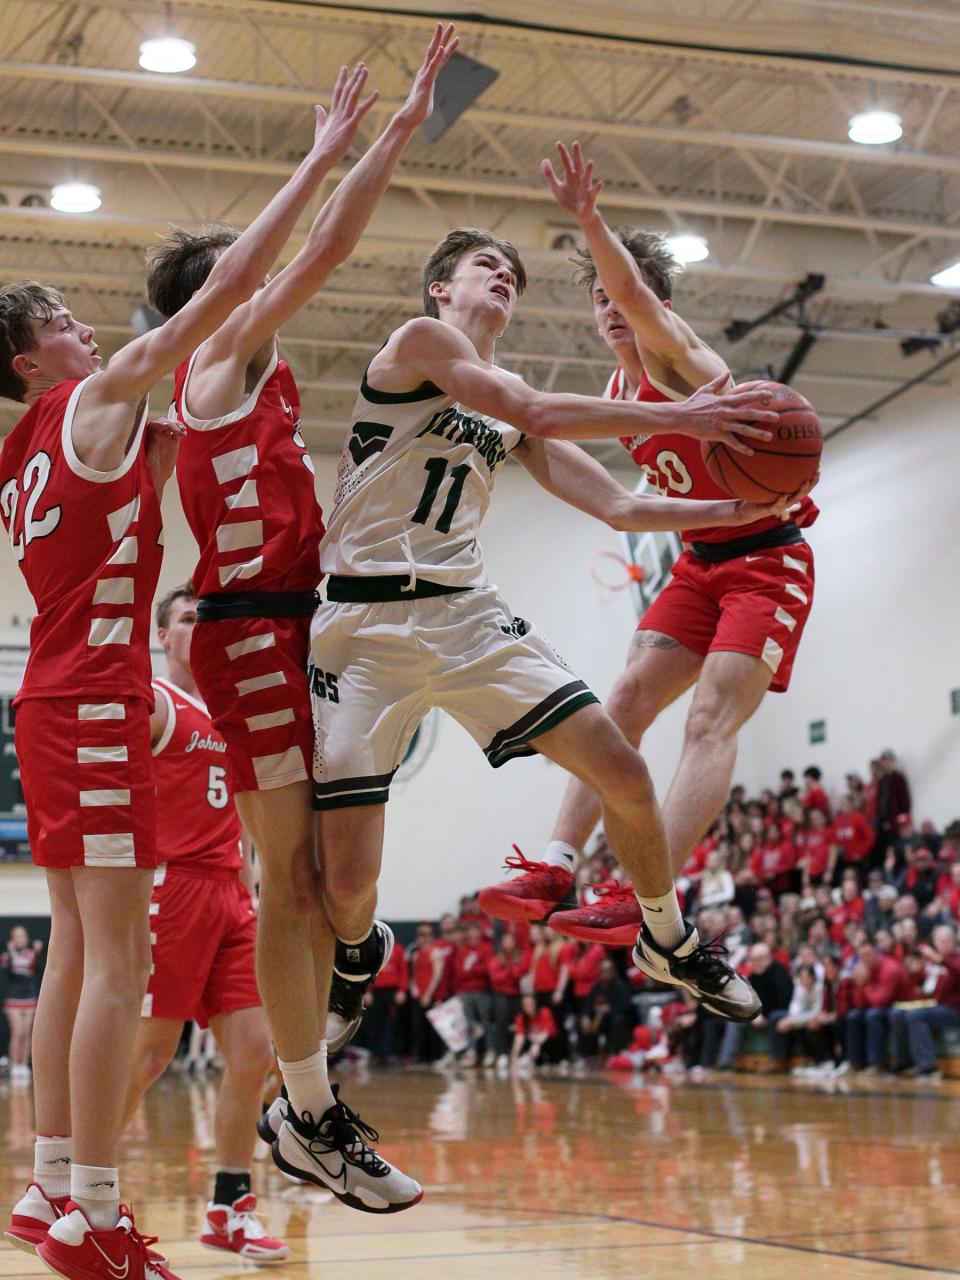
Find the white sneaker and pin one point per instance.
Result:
(701, 970)
(331, 1153)
(490, 1058)
(235, 1228)
(33, 1216)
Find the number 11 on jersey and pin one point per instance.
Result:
(436, 469)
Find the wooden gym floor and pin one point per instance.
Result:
(588, 1177)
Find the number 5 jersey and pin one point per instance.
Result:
(414, 482)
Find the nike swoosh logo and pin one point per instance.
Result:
(657, 910)
(341, 1176)
(753, 557)
(119, 1273)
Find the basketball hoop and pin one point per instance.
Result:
(613, 572)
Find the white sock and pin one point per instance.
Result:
(52, 1158)
(308, 1087)
(97, 1191)
(560, 854)
(663, 918)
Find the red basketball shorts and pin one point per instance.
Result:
(87, 776)
(757, 604)
(203, 931)
(252, 674)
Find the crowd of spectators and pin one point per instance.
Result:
(842, 913)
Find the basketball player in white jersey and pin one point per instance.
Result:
(411, 621)
(730, 620)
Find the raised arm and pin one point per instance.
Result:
(101, 436)
(224, 358)
(658, 329)
(571, 475)
(428, 350)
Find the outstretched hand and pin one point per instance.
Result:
(734, 418)
(578, 190)
(163, 438)
(336, 129)
(419, 104)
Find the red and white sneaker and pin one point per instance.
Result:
(33, 1217)
(74, 1249)
(531, 896)
(614, 920)
(236, 1229)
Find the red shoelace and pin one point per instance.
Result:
(521, 863)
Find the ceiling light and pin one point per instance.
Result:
(874, 127)
(168, 54)
(687, 248)
(75, 197)
(948, 278)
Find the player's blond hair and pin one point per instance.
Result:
(442, 263)
(21, 307)
(649, 251)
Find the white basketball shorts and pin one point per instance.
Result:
(377, 669)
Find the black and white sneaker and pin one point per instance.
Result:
(331, 1153)
(354, 970)
(699, 968)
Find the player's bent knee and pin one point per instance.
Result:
(632, 705)
(706, 724)
(349, 883)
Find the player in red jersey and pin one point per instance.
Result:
(246, 481)
(80, 477)
(731, 618)
(202, 935)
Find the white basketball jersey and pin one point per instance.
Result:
(413, 484)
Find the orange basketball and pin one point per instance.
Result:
(778, 466)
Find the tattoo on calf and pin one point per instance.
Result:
(654, 640)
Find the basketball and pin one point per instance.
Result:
(779, 466)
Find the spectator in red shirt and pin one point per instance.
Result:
(472, 985)
(943, 981)
(854, 836)
(534, 1035)
(386, 999)
(879, 982)
(814, 796)
(552, 961)
(947, 901)
(506, 968)
(850, 908)
(773, 863)
(426, 960)
(819, 854)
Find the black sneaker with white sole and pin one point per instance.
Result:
(354, 971)
(332, 1153)
(268, 1126)
(701, 969)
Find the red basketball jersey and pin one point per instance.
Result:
(674, 466)
(197, 821)
(88, 545)
(246, 483)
